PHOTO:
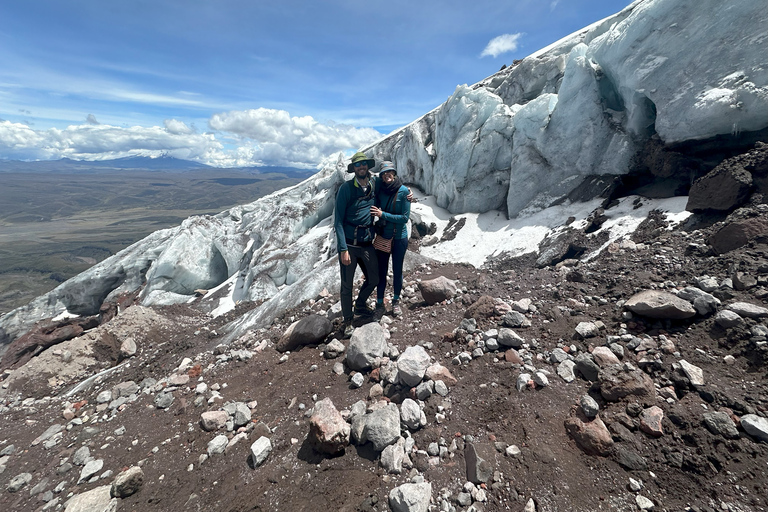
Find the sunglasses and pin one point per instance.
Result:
(360, 164)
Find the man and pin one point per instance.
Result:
(353, 223)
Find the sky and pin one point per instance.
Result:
(237, 83)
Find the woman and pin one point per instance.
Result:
(393, 210)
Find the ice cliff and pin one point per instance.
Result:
(520, 141)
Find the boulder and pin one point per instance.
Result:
(382, 427)
(745, 309)
(591, 436)
(437, 371)
(410, 497)
(127, 483)
(617, 383)
(213, 420)
(660, 305)
(756, 426)
(723, 189)
(412, 365)
(328, 432)
(437, 290)
(95, 500)
(366, 345)
(260, 450)
(310, 330)
(737, 234)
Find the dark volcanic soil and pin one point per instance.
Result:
(687, 468)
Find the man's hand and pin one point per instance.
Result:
(345, 259)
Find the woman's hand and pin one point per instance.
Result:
(376, 212)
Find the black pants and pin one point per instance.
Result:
(366, 258)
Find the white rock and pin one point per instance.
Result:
(260, 450)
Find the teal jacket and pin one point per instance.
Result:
(395, 212)
(352, 214)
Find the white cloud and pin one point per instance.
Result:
(501, 44)
(102, 142)
(553, 4)
(177, 127)
(269, 135)
(247, 138)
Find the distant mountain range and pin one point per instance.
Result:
(163, 163)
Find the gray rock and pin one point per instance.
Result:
(310, 330)
(509, 338)
(333, 349)
(720, 423)
(693, 372)
(81, 456)
(49, 433)
(91, 468)
(410, 497)
(128, 348)
(357, 380)
(104, 397)
(437, 290)
(516, 319)
(382, 427)
(558, 355)
(164, 400)
(126, 389)
(260, 450)
(728, 319)
(587, 330)
(756, 426)
(217, 445)
(586, 367)
(479, 470)
(127, 483)
(707, 283)
(522, 381)
(412, 415)
(745, 309)
(590, 406)
(95, 500)
(425, 390)
(412, 365)
(441, 388)
(366, 345)
(19, 481)
(566, 370)
(242, 415)
(393, 456)
(703, 302)
(469, 325)
(660, 305)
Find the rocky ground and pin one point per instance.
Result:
(520, 359)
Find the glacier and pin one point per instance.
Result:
(506, 154)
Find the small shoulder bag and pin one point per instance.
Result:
(384, 244)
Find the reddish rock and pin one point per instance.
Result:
(511, 356)
(328, 432)
(737, 234)
(650, 421)
(604, 357)
(591, 436)
(439, 372)
(484, 307)
(617, 383)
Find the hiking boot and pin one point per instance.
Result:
(396, 310)
(364, 310)
(347, 328)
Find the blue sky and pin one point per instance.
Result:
(235, 82)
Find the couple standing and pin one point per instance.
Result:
(361, 242)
